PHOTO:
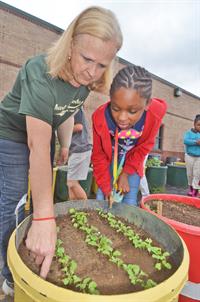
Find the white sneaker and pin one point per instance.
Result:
(8, 288)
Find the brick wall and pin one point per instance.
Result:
(20, 39)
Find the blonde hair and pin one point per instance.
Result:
(95, 21)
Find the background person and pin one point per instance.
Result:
(144, 187)
(192, 157)
(79, 157)
(49, 88)
(129, 123)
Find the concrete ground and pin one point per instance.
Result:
(169, 190)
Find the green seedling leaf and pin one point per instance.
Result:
(76, 279)
(64, 260)
(149, 284)
(72, 267)
(116, 253)
(72, 211)
(166, 264)
(158, 266)
(66, 281)
(60, 252)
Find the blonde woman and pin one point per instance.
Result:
(48, 90)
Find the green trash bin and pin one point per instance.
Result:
(61, 191)
(156, 178)
(176, 176)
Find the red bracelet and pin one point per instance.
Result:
(44, 218)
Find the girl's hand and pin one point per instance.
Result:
(122, 183)
(109, 197)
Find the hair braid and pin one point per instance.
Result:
(134, 77)
(197, 118)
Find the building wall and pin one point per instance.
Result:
(20, 39)
(179, 118)
(23, 36)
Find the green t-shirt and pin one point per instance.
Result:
(36, 93)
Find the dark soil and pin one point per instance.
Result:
(181, 212)
(109, 278)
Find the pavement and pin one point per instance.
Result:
(169, 190)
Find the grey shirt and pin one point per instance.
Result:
(81, 140)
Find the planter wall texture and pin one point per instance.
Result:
(176, 176)
(191, 236)
(30, 287)
(157, 178)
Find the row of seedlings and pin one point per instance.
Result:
(156, 252)
(69, 266)
(104, 245)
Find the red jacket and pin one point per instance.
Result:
(102, 147)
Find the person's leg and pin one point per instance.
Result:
(14, 159)
(189, 170)
(196, 176)
(100, 195)
(78, 166)
(131, 197)
(144, 188)
(75, 190)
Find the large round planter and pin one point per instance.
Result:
(176, 176)
(30, 287)
(61, 190)
(157, 178)
(191, 236)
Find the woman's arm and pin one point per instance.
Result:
(41, 238)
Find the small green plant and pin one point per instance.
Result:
(69, 266)
(153, 162)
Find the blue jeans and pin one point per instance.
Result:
(130, 198)
(14, 166)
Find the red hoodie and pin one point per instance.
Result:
(102, 147)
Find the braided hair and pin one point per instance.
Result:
(134, 77)
(197, 118)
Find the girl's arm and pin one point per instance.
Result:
(135, 157)
(189, 139)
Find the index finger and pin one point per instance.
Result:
(46, 266)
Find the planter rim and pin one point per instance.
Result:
(190, 229)
(162, 167)
(176, 166)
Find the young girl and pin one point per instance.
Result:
(192, 157)
(124, 132)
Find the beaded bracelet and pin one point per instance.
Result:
(44, 218)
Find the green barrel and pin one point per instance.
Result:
(157, 178)
(176, 176)
(61, 191)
